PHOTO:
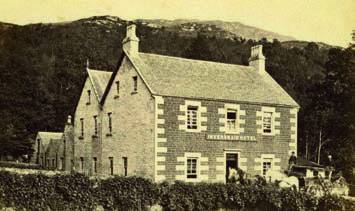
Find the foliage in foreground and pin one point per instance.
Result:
(7, 164)
(78, 192)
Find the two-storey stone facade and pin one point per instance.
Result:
(220, 141)
(169, 118)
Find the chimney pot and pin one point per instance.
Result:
(69, 121)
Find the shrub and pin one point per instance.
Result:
(127, 193)
(19, 165)
(77, 192)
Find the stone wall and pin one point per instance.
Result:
(132, 136)
(178, 142)
(83, 144)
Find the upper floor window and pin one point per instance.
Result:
(231, 124)
(267, 122)
(192, 167)
(118, 87)
(192, 117)
(109, 115)
(81, 127)
(89, 97)
(135, 83)
(95, 125)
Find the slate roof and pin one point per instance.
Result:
(47, 136)
(99, 80)
(53, 146)
(179, 77)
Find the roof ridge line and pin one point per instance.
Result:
(97, 70)
(197, 60)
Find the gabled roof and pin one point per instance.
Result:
(53, 146)
(99, 80)
(47, 136)
(179, 77)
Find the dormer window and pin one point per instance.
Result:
(89, 98)
(135, 85)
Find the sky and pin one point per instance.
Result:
(329, 21)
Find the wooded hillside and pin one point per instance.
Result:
(42, 70)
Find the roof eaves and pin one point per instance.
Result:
(139, 73)
(109, 84)
(282, 89)
(228, 100)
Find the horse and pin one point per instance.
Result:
(283, 180)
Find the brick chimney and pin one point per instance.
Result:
(131, 42)
(257, 59)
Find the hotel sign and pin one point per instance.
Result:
(229, 137)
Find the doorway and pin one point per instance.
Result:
(231, 162)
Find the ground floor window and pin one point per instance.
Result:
(125, 165)
(267, 164)
(94, 165)
(192, 168)
(61, 163)
(81, 163)
(111, 165)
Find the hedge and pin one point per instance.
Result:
(77, 192)
(8, 164)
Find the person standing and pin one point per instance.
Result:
(293, 160)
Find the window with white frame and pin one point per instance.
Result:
(267, 164)
(192, 117)
(267, 122)
(231, 120)
(192, 167)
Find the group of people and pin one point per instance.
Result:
(235, 175)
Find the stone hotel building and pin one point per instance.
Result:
(170, 118)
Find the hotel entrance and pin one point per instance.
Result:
(231, 164)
